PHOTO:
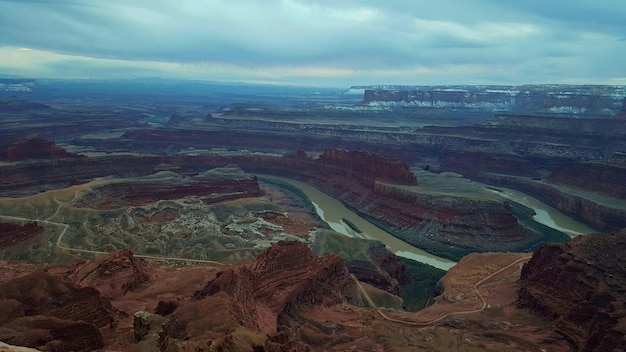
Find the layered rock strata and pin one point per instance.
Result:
(364, 181)
(536, 99)
(112, 274)
(605, 178)
(41, 309)
(34, 148)
(581, 285)
(285, 277)
(142, 191)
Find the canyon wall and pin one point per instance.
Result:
(33, 148)
(534, 99)
(43, 310)
(580, 284)
(605, 178)
(365, 182)
(284, 278)
(597, 215)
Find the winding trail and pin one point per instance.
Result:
(60, 246)
(432, 321)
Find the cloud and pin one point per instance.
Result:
(335, 41)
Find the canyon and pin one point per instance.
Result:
(380, 188)
(136, 220)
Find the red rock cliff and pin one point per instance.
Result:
(41, 309)
(285, 277)
(34, 148)
(581, 285)
(366, 167)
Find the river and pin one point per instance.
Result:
(545, 214)
(333, 212)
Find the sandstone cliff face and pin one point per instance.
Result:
(597, 215)
(456, 226)
(28, 178)
(581, 285)
(579, 100)
(285, 277)
(606, 178)
(34, 148)
(381, 269)
(113, 274)
(149, 190)
(366, 167)
(41, 309)
(472, 163)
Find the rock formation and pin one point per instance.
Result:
(605, 178)
(34, 148)
(40, 309)
(366, 167)
(367, 182)
(11, 234)
(284, 278)
(581, 285)
(598, 215)
(173, 186)
(529, 99)
(286, 300)
(112, 274)
(381, 269)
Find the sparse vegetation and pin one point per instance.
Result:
(422, 287)
(351, 225)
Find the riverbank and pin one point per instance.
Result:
(333, 212)
(544, 213)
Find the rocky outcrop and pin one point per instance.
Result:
(34, 148)
(284, 278)
(529, 99)
(113, 274)
(11, 234)
(366, 167)
(580, 285)
(380, 269)
(44, 309)
(169, 185)
(605, 178)
(148, 330)
(54, 334)
(472, 163)
(28, 178)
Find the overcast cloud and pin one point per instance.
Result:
(318, 42)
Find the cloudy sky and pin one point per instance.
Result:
(318, 42)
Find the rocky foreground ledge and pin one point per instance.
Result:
(581, 284)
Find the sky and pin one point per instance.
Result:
(335, 43)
